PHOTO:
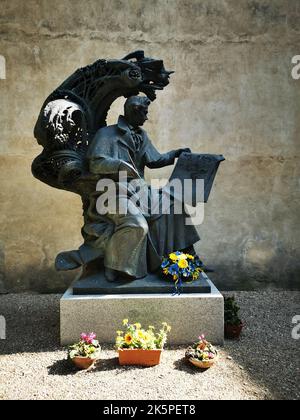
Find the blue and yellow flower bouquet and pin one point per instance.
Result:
(181, 267)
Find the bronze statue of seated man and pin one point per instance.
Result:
(137, 241)
(80, 151)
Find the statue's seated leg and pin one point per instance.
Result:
(126, 252)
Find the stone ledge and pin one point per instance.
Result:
(189, 315)
(97, 284)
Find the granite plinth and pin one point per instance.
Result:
(189, 314)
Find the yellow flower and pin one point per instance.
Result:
(190, 257)
(175, 277)
(128, 338)
(183, 264)
(182, 257)
(166, 326)
(119, 333)
(138, 326)
(147, 337)
(151, 327)
(119, 340)
(173, 256)
(125, 321)
(141, 335)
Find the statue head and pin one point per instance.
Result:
(136, 110)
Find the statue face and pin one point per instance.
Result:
(136, 113)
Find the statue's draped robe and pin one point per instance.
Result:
(130, 244)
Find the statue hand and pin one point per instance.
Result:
(180, 151)
(131, 171)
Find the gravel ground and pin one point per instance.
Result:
(264, 364)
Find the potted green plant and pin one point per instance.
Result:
(233, 324)
(86, 352)
(202, 354)
(137, 346)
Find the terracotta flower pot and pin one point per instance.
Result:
(233, 331)
(83, 362)
(203, 364)
(139, 357)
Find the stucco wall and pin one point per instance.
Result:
(232, 93)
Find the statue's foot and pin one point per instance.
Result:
(116, 276)
(111, 275)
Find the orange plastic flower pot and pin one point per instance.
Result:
(139, 357)
(83, 362)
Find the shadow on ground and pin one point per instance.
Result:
(32, 323)
(62, 368)
(266, 350)
(184, 366)
(65, 367)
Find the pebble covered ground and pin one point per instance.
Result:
(263, 364)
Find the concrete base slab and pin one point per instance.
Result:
(188, 314)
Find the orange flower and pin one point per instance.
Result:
(201, 346)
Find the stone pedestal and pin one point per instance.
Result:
(189, 314)
(96, 284)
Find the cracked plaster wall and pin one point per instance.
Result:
(232, 93)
